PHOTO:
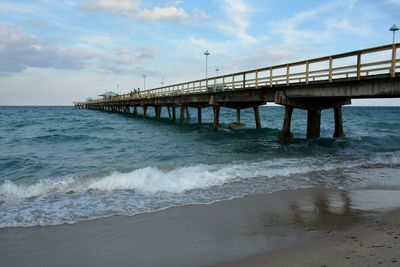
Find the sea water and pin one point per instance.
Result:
(64, 165)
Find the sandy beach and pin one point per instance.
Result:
(304, 227)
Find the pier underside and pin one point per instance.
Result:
(313, 98)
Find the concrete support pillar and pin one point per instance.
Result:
(173, 113)
(257, 117)
(145, 111)
(134, 111)
(287, 123)
(313, 123)
(187, 114)
(238, 115)
(338, 122)
(199, 115)
(169, 112)
(157, 110)
(182, 115)
(216, 117)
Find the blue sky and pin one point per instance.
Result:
(55, 52)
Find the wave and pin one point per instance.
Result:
(151, 180)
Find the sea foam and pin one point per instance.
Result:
(150, 180)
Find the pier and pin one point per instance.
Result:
(314, 85)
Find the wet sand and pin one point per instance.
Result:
(304, 227)
(376, 243)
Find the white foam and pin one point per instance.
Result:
(12, 190)
(151, 180)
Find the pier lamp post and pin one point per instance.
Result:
(217, 70)
(206, 53)
(144, 82)
(162, 82)
(394, 29)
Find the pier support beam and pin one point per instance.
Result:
(182, 115)
(285, 134)
(313, 123)
(257, 117)
(216, 117)
(134, 111)
(238, 115)
(338, 122)
(199, 115)
(173, 113)
(145, 111)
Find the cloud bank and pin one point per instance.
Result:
(19, 50)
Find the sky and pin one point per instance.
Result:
(57, 52)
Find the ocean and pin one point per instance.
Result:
(64, 165)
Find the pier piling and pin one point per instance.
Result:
(173, 113)
(257, 117)
(338, 122)
(199, 115)
(313, 123)
(287, 123)
(182, 115)
(216, 117)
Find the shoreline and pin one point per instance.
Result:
(233, 232)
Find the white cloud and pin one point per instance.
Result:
(124, 6)
(132, 7)
(294, 30)
(19, 50)
(238, 15)
(163, 13)
(221, 47)
(396, 2)
(199, 14)
(141, 54)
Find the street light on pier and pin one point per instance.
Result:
(162, 82)
(394, 29)
(206, 53)
(144, 82)
(217, 70)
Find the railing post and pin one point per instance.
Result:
(256, 78)
(287, 74)
(244, 80)
(359, 65)
(223, 83)
(270, 77)
(307, 71)
(393, 73)
(233, 82)
(330, 69)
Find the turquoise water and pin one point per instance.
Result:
(64, 165)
